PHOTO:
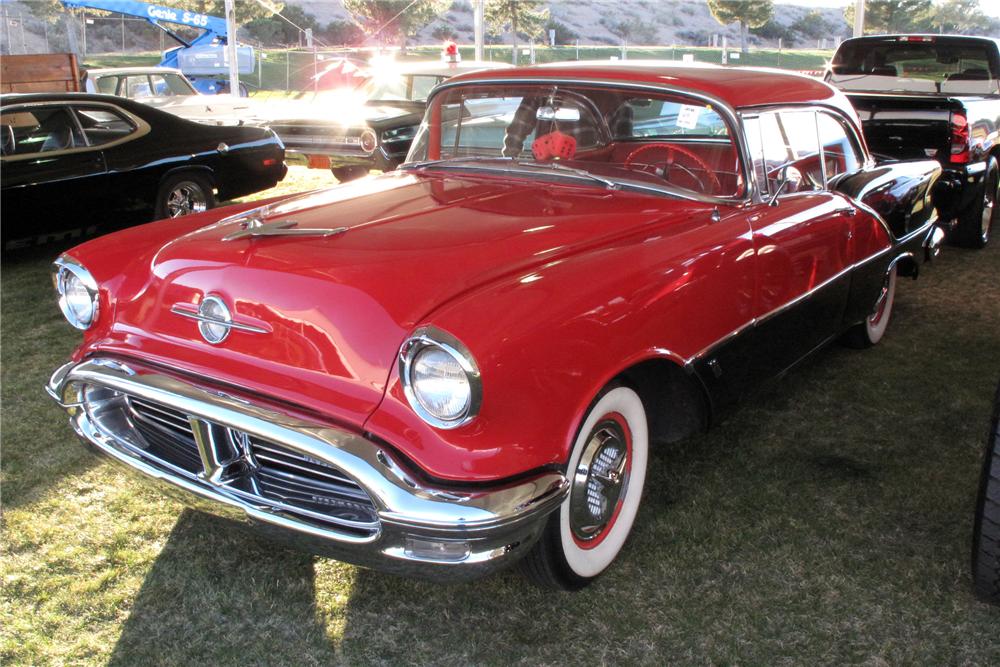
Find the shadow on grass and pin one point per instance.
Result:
(217, 595)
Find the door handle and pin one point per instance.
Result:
(847, 210)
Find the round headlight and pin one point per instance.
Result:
(440, 378)
(77, 292)
(368, 141)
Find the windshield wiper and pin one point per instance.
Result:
(514, 164)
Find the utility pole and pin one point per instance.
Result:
(234, 65)
(83, 51)
(478, 18)
(123, 33)
(6, 26)
(859, 18)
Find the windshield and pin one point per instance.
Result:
(618, 136)
(408, 87)
(915, 64)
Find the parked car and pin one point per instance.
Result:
(934, 96)
(354, 134)
(168, 89)
(986, 530)
(74, 163)
(444, 369)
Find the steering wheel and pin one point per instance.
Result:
(669, 162)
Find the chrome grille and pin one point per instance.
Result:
(268, 472)
(167, 433)
(302, 481)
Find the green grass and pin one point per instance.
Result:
(293, 70)
(827, 521)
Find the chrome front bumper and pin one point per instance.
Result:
(437, 533)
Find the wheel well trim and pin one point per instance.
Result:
(198, 168)
(620, 373)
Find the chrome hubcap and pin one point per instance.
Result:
(187, 197)
(599, 481)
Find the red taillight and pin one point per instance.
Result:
(959, 138)
(269, 162)
(916, 38)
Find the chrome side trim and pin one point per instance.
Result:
(805, 295)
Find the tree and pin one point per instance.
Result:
(273, 29)
(526, 17)
(631, 30)
(883, 16)
(750, 14)
(394, 20)
(959, 16)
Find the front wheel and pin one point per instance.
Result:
(183, 194)
(607, 472)
(872, 330)
(986, 531)
(976, 222)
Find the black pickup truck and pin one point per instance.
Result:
(935, 96)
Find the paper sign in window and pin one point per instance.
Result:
(687, 116)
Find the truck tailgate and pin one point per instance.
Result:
(906, 127)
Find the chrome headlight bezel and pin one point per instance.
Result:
(431, 337)
(65, 269)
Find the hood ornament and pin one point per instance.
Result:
(254, 226)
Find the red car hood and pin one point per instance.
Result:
(336, 309)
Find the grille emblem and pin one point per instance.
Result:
(216, 319)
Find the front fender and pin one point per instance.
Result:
(546, 341)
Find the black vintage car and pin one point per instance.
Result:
(75, 164)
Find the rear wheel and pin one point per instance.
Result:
(986, 531)
(184, 194)
(977, 221)
(872, 330)
(344, 174)
(607, 472)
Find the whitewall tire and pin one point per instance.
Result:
(607, 473)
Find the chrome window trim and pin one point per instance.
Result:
(732, 118)
(430, 336)
(141, 128)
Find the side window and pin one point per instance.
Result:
(650, 118)
(160, 87)
(107, 85)
(39, 130)
(137, 87)
(102, 125)
(786, 138)
(421, 86)
(840, 153)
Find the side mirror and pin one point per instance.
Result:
(790, 179)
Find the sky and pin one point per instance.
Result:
(989, 7)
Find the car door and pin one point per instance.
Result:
(802, 238)
(54, 181)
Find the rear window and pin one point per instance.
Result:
(928, 63)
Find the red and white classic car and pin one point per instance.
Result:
(445, 369)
